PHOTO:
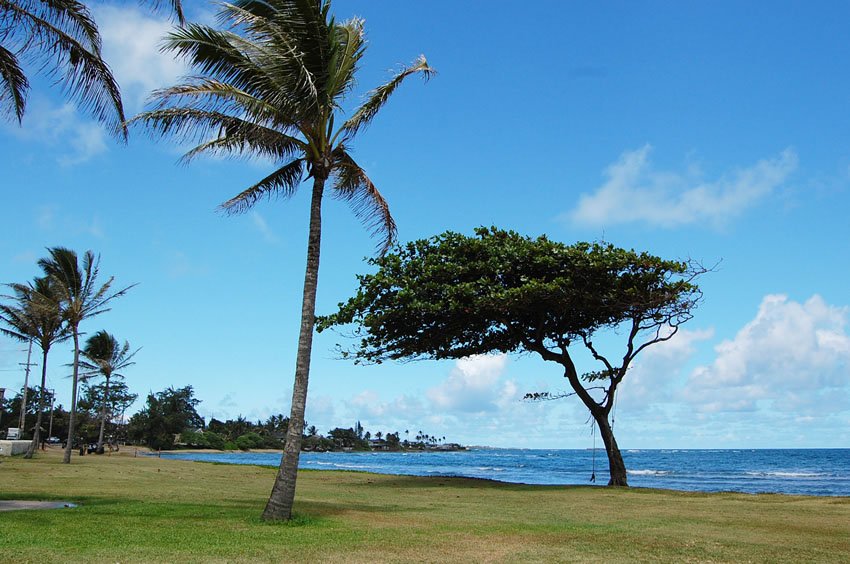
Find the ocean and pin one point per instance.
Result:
(822, 472)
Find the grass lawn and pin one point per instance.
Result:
(152, 510)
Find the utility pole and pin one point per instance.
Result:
(2, 401)
(52, 399)
(23, 420)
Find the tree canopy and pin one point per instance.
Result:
(453, 296)
(167, 414)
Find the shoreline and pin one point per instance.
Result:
(824, 475)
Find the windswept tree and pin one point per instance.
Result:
(34, 315)
(104, 356)
(453, 296)
(272, 85)
(80, 298)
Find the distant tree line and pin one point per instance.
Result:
(90, 409)
(170, 420)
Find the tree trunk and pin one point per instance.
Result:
(279, 506)
(36, 436)
(103, 415)
(616, 466)
(71, 416)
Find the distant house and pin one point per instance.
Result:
(378, 444)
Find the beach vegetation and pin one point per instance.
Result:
(452, 296)
(271, 85)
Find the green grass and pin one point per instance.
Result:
(147, 509)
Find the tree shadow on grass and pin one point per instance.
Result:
(421, 482)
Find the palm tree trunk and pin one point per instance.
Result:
(71, 416)
(36, 436)
(103, 415)
(279, 506)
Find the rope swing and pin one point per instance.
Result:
(593, 433)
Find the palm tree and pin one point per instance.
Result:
(34, 316)
(104, 356)
(272, 86)
(79, 299)
(61, 38)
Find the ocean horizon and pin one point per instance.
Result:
(817, 471)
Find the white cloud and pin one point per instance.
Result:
(180, 265)
(51, 219)
(74, 139)
(794, 356)
(474, 385)
(655, 373)
(635, 192)
(261, 225)
(131, 40)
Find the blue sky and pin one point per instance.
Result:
(716, 131)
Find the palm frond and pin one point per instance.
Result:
(76, 284)
(73, 17)
(13, 84)
(369, 206)
(281, 183)
(176, 9)
(248, 142)
(33, 314)
(349, 46)
(269, 69)
(231, 134)
(105, 356)
(76, 59)
(378, 97)
(217, 96)
(212, 52)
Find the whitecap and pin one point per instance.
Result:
(778, 474)
(648, 472)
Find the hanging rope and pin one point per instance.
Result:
(613, 413)
(593, 433)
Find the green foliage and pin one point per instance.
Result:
(249, 441)
(213, 440)
(93, 395)
(348, 438)
(453, 295)
(202, 439)
(167, 414)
